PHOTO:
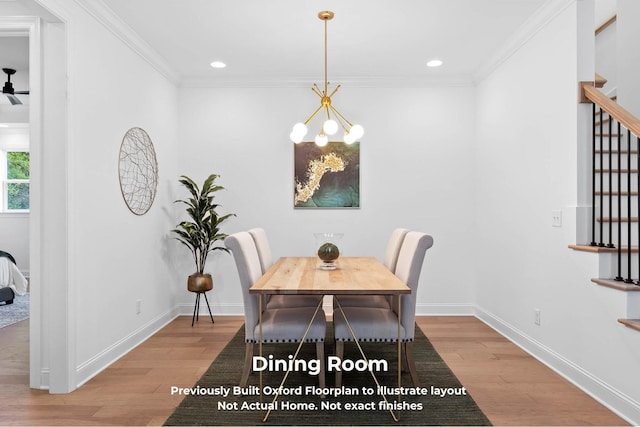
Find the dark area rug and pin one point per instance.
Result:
(431, 409)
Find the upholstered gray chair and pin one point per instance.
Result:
(390, 259)
(264, 248)
(283, 325)
(266, 260)
(381, 324)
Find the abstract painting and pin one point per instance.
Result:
(327, 177)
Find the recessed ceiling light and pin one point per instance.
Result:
(434, 63)
(218, 64)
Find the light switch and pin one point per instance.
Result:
(556, 219)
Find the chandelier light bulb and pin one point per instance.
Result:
(356, 132)
(300, 128)
(349, 139)
(298, 133)
(330, 127)
(321, 140)
(296, 138)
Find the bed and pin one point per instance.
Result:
(12, 281)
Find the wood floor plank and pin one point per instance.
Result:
(511, 387)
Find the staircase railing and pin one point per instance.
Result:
(613, 125)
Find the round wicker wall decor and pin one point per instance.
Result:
(138, 171)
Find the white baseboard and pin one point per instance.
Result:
(44, 379)
(616, 401)
(92, 367)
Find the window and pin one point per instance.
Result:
(16, 181)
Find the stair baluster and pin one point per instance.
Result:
(601, 242)
(593, 176)
(637, 199)
(619, 277)
(628, 279)
(611, 245)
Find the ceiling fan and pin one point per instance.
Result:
(8, 88)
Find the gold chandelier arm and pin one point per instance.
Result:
(334, 91)
(313, 115)
(341, 122)
(316, 90)
(341, 116)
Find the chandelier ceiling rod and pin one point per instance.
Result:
(325, 16)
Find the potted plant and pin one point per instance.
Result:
(201, 233)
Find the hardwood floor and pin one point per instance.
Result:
(510, 386)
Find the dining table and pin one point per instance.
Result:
(348, 276)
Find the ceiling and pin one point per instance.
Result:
(15, 53)
(283, 39)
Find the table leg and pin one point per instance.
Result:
(399, 312)
(260, 342)
(295, 357)
(375, 379)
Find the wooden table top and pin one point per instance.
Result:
(354, 275)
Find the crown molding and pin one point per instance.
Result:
(543, 16)
(108, 18)
(17, 26)
(352, 82)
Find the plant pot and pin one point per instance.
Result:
(200, 282)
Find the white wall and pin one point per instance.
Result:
(526, 168)
(14, 234)
(606, 45)
(603, 10)
(416, 171)
(628, 51)
(114, 257)
(118, 256)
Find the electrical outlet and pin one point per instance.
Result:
(537, 316)
(556, 218)
(138, 306)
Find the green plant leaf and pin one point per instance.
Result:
(202, 233)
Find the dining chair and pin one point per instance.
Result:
(281, 325)
(278, 301)
(264, 248)
(390, 259)
(380, 324)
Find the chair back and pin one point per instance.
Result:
(393, 248)
(408, 269)
(262, 245)
(247, 261)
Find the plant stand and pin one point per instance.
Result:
(196, 309)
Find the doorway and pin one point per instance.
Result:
(51, 361)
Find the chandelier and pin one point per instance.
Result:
(333, 119)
